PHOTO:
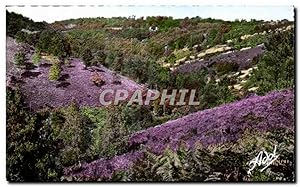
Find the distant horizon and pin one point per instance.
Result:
(51, 14)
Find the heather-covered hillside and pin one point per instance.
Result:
(219, 125)
(73, 84)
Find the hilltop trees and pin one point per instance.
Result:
(16, 22)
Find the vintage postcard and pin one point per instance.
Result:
(102, 93)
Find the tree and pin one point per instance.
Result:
(31, 150)
(19, 58)
(113, 136)
(74, 134)
(53, 42)
(87, 57)
(54, 71)
(136, 68)
(36, 58)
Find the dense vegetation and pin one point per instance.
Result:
(278, 62)
(54, 143)
(226, 162)
(40, 144)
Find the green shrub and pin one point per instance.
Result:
(114, 125)
(21, 37)
(209, 93)
(212, 95)
(137, 118)
(36, 58)
(40, 144)
(158, 77)
(98, 117)
(54, 71)
(195, 39)
(191, 80)
(226, 67)
(99, 58)
(19, 58)
(171, 58)
(113, 136)
(136, 68)
(87, 57)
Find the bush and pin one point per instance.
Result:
(19, 58)
(158, 77)
(136, 68)
(113, 136)
(192, 80)
(54, 71)
(209, 93)
(87, 57)
(195, 39)
(36, 58)
(114, 127)
(113, 60)
(137, 118)
(171, 58)
(226, 67)
(98, 117)
(21, 37)
(212, 95)
(99, 58)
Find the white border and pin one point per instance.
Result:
(110, 2)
